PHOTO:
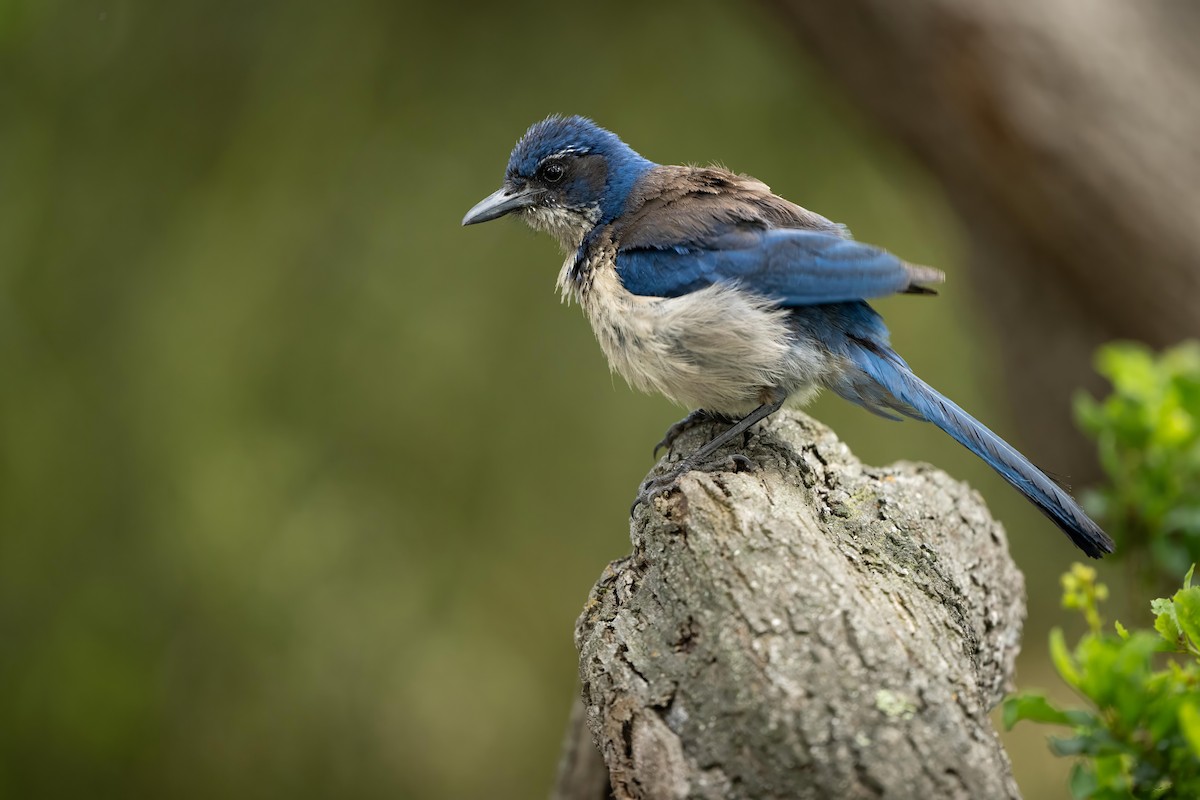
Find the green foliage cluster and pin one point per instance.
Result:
(1141, 736)
(1148, 436)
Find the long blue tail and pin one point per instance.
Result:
(904, 392)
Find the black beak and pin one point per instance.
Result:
(503, 201)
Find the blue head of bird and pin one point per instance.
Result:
(565, 175)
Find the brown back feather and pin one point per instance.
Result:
(681, 205)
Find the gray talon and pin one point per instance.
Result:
(741, 463)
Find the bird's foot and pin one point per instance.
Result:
(660, 485)
(694, 418)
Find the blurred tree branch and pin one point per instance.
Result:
(1067, 136)
(813, 628)
(581, 773)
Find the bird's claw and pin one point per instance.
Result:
(740, 463)
(656, 487)
(652, 488)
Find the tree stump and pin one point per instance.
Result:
(810, 628)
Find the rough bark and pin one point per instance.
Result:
(1067, 136)
(810, 628)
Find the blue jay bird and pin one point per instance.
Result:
(703, 285)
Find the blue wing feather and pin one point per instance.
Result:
(794, 267)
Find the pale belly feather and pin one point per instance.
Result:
(719, 348)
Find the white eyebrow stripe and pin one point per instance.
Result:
(566, 151)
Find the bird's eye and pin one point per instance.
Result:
(553, 172)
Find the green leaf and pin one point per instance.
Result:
(1127, 364)
(1032, 707)
(1189, 723)
(1071, 745)
(1062, 658)
(1187, 612)
(1113, 775)
(1082, 781)
(1165, 621)
(1124, 634)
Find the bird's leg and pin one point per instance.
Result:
(654, 487)
(694, 418)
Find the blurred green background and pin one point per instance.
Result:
(301, 485)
